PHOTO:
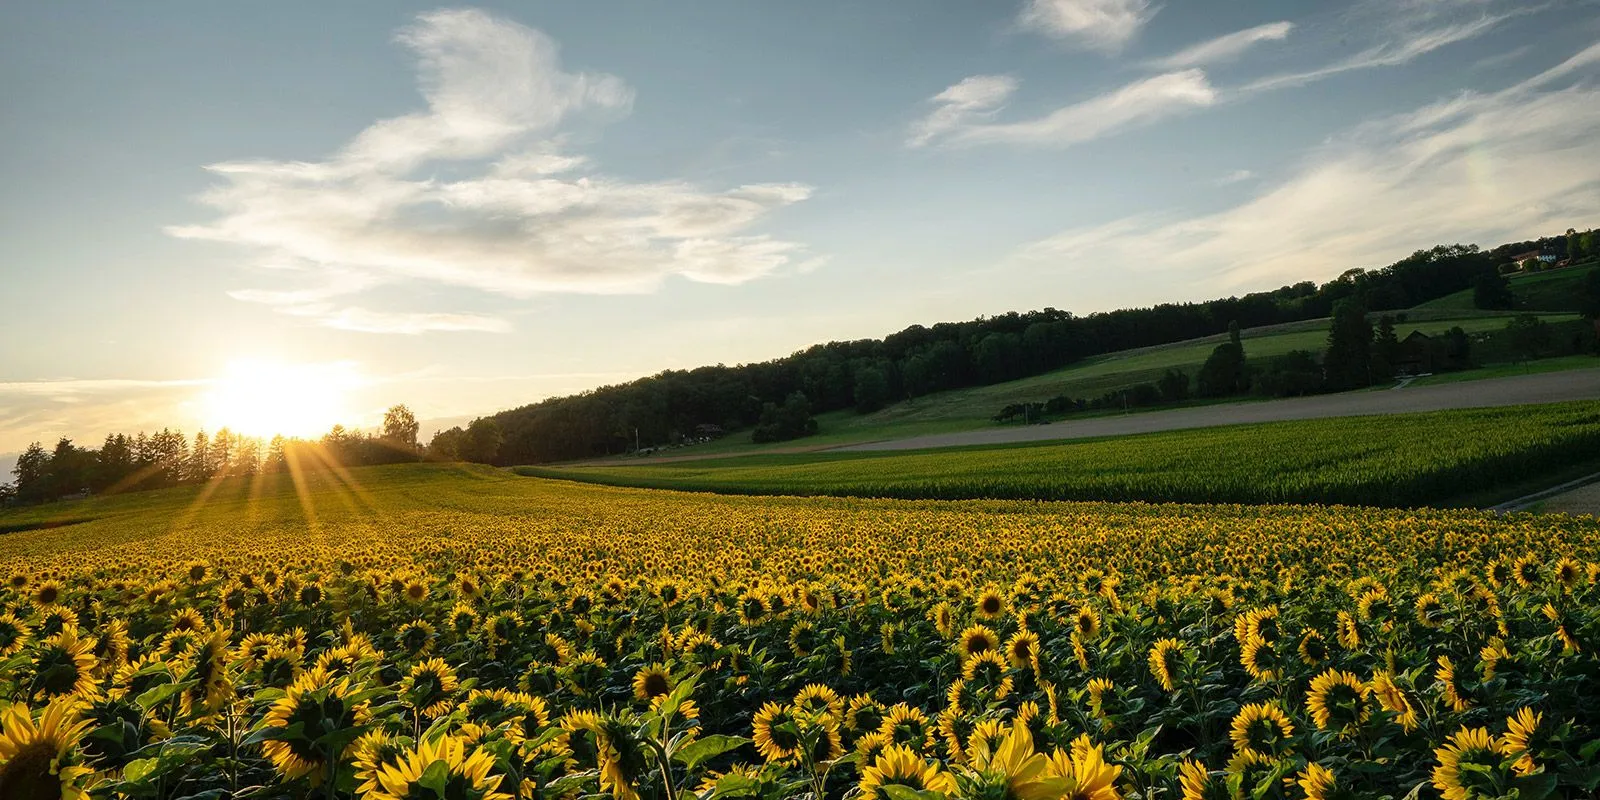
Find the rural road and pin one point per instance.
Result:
(1549, 387)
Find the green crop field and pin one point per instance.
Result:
(1401, 460)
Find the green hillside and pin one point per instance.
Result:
(1555, 290)
(975, 407)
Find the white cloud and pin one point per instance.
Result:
(1236, 176)
(1409, 40)
(1105, 25)
(1476, 167)
(1135, 104)
(1224, 48)
(535, 219)
(974, 98)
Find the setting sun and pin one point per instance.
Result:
(258, 398)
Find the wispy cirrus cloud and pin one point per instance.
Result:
(1399, 36)
(1474, 167)
(972, 100)
(537, 218)
(1106, 25)
(961, 114)
(1224, 48)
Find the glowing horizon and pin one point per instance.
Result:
(267, 398)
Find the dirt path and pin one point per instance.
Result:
(1582, 500)
(1550, 387)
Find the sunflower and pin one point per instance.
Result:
(1393, 699)
(990, 604)
(463, 618)
(943, 618)
(906, 726)
(1568, 573)
(1260, 623)
(1566, 637)
(1085, 772)
(1318, 782)
(1022, 649)
(1521, 739)
(902, 766)
(977, 639)
(1455, 695)
(752, 608)
(985, 736)
(373, 752)
(651, 682)
(802, 638)
(279, 666)
(1079, 652)
(415, 637)
(55, 619)
(1349, 633)
(209, 667)
(428, 687)
(1262, 727)
(1429, 610)
(1197, 784)
(466, 777)
(1258, 659)
(1313, 648)
(38, 759)
(1338, 701)
(1467, 746)
(1526, 571)
(986, 672)
(316, 703)
(1165, 662)
(828, 744)
(1012, 767)
(47, 593)
(64, 664)
(619, 755)
(870, 746)
(864, 714)
(13, 634)
(188, 619)
(773, 739)
(1097, 689)
(1086, 623)
(819, 702)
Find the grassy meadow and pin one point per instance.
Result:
(1550, 290)
(1436, 458)
(444, 631)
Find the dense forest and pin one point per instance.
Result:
(868, 374)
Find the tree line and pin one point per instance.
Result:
(169, 458)
(868, 374)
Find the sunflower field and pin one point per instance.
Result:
(448, 632)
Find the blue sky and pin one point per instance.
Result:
(469, 208)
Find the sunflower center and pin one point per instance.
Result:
(656, 684)
(27, 773)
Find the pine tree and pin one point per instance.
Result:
(1348, 361)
